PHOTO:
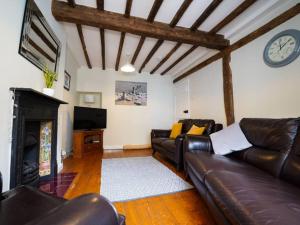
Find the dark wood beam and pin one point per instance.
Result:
(138, 49)
(234, 14)
(79, 29)
(184, 6)
(122, 38)
(114, 21)
(227, 88)
(72, 4)
(100, 6)
(165, 59)
(199, 66)
(154, 10)
(151, 53)
(151, 16)
(180, 59)
(287, 15)
(120, 51)
(207, 12)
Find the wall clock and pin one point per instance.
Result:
(283, 48)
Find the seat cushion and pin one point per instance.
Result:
(203, 163)
(158, 141)
(272, 140)
(169, 145)
(254, 198)
(24, 204)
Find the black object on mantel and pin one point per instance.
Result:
(36, 93)
(31, 108)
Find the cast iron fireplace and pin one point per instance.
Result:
(34, 137)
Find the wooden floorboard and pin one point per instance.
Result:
(182, 208)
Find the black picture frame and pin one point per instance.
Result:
(67, 81)
(46, 35)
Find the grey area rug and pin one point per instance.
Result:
(131, 178)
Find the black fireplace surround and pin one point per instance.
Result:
(30, 109)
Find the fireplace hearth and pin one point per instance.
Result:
(34, 137)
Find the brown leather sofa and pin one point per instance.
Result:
(173, 148)
(259, 185)
(25, 205)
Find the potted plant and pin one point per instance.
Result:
(49, 77)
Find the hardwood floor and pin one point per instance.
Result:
(182, 208)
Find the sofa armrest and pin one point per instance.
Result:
(196, 143)
(160, 133)
(217, 127)
(85, 210)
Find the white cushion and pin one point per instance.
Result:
(229, 139)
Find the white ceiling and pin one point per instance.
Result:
(141, 8)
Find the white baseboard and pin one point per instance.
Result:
(113, 147)
(146, 146)
(120, 147)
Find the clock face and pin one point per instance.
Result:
(283, 48)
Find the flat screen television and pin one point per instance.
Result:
(89, 118)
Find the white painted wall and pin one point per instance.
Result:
(259, 91)
(16, 71)
(130, 125)
(262, 91)
(70, 97)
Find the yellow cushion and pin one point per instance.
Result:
(196, 130)
(176, 130)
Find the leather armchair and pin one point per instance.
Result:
(26, 205)
(173, 149)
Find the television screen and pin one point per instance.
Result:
(89, 118)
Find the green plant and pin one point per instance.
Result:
(49, 77)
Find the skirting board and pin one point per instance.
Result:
(120, 147)
(137, 146)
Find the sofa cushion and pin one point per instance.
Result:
(272, 139)
(254, 198)
(158, 141)
(273, 134)
(188, 123)
(203, 163)
(169, 145)
(291, 169)
(229, 140)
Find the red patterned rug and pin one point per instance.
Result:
(59, 185)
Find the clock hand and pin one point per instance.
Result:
(280, 44)
(285, 43)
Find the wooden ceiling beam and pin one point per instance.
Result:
(122, 38)
(151, 16)
(80, 33)
(234, 14)
(108, 20)
(184, 6)
(207, 12)
(100, 6)
(180, 59)
(287, 15)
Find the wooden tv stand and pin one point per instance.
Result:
(86, 141)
